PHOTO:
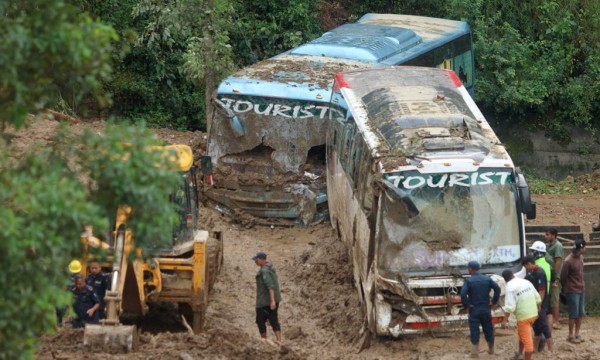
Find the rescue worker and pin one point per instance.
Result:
(524, 301)
(75, 268)
(100, 282)
(537, 277)
(538, 251)
(540, 256)
(86, 303)
(475, 297)
(267, 296)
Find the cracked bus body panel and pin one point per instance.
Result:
(267, 134)
(419, 185)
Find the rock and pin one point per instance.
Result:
(283, 350)
(185, 356)
(293, 332)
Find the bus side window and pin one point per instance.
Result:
(363, 180)
(346, 155)
(463, 67)
(357, 151)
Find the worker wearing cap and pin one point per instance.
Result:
(475, 297)
(267, 296)
(573, 285)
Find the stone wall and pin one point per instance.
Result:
(539, 155)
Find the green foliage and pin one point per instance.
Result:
(50, 51)
(536, 59)
(130, 174)
(44, 208)
(543, 186)
(265, 28)
(42, 211)
(148, 84)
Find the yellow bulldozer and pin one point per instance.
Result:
(183, 273)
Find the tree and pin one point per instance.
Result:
(48, 197)
(203, 27)
(49, 52)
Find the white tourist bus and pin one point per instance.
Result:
(418, 185)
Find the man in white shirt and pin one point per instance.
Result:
(523, 300)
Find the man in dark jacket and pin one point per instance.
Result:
(100, 282)
(475, 297)
(86, 303)
(267, 296)
(537, 277)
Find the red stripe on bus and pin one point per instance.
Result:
(454, 78)
(422, 325)
(340, 82)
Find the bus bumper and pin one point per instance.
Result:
(298, 203)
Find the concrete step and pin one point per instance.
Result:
(560, 228)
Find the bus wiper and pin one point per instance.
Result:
(400, 195)
(234, 122)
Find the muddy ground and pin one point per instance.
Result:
(320, 314)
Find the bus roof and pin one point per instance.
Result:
(418, 112)
(288, 76)
(306, 72)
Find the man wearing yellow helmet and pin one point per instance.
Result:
(75, 268)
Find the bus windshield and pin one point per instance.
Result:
(446, 220)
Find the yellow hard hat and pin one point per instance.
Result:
(75, 266)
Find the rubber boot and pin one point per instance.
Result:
(490, 348)
(474, 351)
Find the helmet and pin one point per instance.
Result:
(75, 266)
(538, 246)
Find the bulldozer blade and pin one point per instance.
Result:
(111, 338)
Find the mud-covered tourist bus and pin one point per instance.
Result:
(267, 136)
(418, 185)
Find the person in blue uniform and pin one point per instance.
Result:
(85, 304)
(100, 282)
(475, 297)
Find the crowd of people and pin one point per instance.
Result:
(533, 301)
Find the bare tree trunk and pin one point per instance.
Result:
(209, 73)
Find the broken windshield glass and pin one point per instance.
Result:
(461, 217)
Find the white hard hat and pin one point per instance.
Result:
(538, 246)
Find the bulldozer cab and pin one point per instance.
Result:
(185, 198)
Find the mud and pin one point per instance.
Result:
(320, 313)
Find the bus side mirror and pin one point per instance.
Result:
(234, 122)
(400, 195)
(527, 206)
(206, 164)
(207, 169)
